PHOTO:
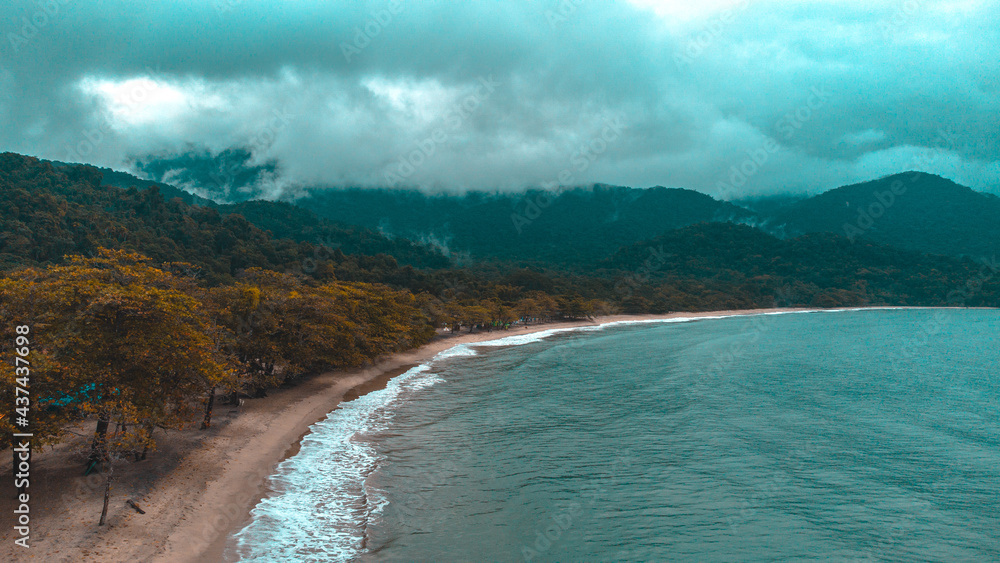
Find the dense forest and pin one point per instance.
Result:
(577, 227)
(915, 211)
(571, 228)
(745, 267)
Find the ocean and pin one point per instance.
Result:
(865, 435)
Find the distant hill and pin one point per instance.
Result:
(577, 226)
(915, 211)
(230, 176)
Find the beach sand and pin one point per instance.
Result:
(199, 486)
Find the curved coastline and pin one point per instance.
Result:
(177, 548)
(463, 345)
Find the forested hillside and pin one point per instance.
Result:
(55, 211)
(573, 227)
(913, 210)
(297, 223)
(744, 267)
(577, 227)
(68, 210)
(284, 220)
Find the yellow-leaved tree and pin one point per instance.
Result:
(280, 328)
(129, 344)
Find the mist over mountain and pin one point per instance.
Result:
(570, 226)
(913, 210)
(230, 176)
(582, 225)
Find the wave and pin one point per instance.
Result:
(321, 502)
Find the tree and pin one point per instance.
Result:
(21, 305)
(280, 328)
(129, 345)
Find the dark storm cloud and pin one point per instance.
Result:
(739, 98)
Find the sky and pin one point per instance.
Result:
(735, 99)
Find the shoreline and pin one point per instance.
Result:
(199, 487)
(396, 365)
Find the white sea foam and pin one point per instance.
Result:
(455, 351)
(322, 502)
(522, 339)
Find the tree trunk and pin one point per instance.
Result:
(205, 424)
(149, 440)
(107, 494)
(99, 445)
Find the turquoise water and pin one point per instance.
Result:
(851, 436)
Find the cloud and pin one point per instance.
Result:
(349, 93)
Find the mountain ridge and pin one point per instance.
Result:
(580, 226)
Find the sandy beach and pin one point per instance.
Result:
(199, 486)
